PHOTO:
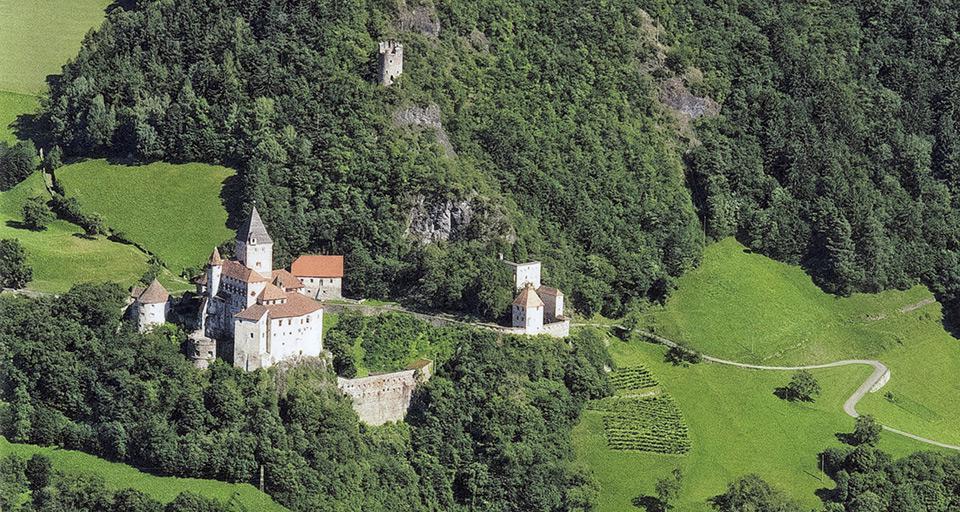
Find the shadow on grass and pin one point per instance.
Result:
(649, 503)
(16, 224)
(231, 196)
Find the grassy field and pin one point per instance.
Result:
(38, 36)
(174, 211)
(11, 106)
(60, 257)
(736, 426)
(750, 308)
(164, 489)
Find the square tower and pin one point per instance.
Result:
(391, 61)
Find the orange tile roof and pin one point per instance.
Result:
(528, 298)
(240, 272)
(317, 265)
(296, 305)
(549, 290)
(272, 292)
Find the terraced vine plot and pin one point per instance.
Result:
(632, 377)
(643, 423)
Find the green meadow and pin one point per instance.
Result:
(38, 36)
(173, 210)
(13, 105)
(749, 308)
(163, 489)
(736, 426)
(60, 255)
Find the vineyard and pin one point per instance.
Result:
(632, 378)
(649, 422)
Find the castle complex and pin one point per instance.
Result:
(537, 309)
(257, 313)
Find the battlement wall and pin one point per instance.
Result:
(382, 398)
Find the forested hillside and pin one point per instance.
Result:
(491, 430)
(838, 143)
(558, 148)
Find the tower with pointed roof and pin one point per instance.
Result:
(528, 310)
(254, 245)
(152, 306)
(214, 272)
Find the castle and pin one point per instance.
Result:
(257, 313)
(537, 309)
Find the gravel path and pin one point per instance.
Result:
(876, 380)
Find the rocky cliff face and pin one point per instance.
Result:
(434, 219)
(425, 117)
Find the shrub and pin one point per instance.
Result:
(36, 213)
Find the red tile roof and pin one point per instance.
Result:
(240, 272)
(272, 292)
(316, 265)
(296, 305)
(549, 290)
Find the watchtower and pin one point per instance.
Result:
(391, 61)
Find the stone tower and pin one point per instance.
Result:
(152, 306)
(391, 61)
(254, 245)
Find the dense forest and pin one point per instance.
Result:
(836, 145)
(490, 431)
(559, 149)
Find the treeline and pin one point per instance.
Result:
(837, 144)
(33, 485)
(74, 376)
(560, 150)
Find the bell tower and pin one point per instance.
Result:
(254, 245)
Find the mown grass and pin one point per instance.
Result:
(163, 489)
(38, 36)
(173, 210)
(736, 426)
(13, 105)
(750, 308)
(60, 255)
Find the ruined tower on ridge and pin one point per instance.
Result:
(391, 61)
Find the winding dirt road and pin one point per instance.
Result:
(876, 380)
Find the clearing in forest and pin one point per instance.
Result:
(175, 211)
(749, 308)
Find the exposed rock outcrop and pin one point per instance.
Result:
(425, 117)
(678, 98)
(420, 18)
(435, 219)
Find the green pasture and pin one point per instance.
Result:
(60, 255)
(736, 426)
(163, 489)
(173, 210)
(13, 105)
(749, 308)
(38, 36)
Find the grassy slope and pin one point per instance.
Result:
(58, 255)
(750, 308)
(164, 489)
(737, 426)
(11, 106)
(174, 211)
(38, 36)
